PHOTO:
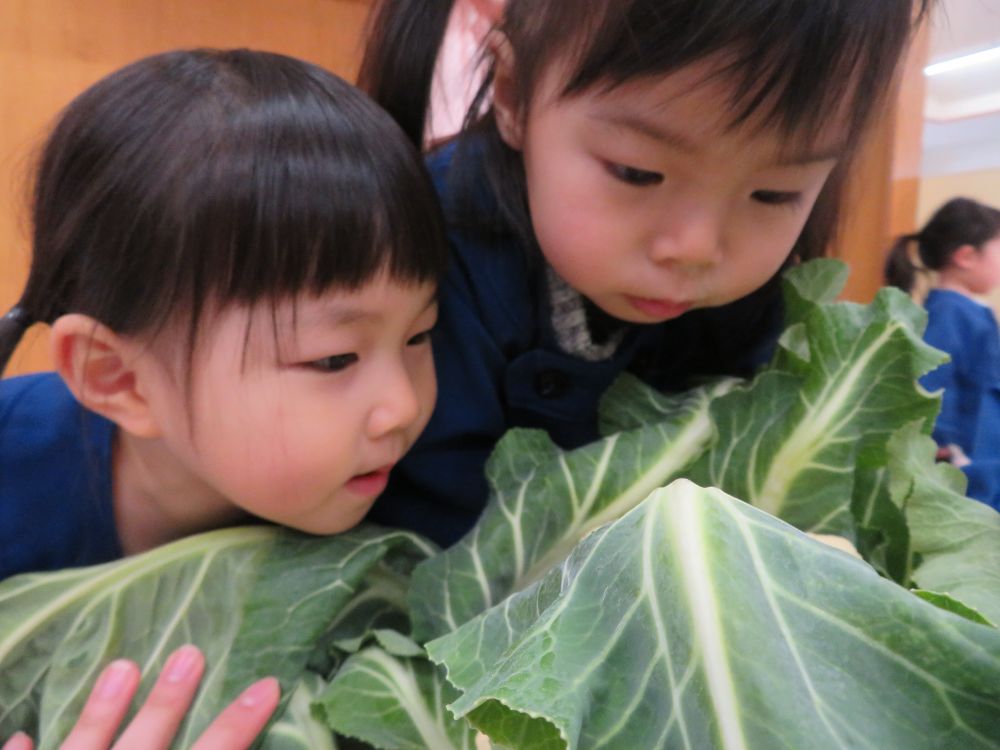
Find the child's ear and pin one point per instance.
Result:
(506, 102)
(965, 256)
(98, 367)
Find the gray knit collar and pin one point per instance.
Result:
(569, 321)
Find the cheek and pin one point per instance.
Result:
(235, 450)
(425, 387)
(285, 466)
(576, 239)
(774, 237)
(257, 442)
(570, 208)
(304, 443)
(757, 254)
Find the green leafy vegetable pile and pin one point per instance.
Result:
(614, 596)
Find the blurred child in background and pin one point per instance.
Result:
(961, 245)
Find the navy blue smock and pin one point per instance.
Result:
(55, 479)
(970, 409)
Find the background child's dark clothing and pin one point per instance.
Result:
(502, 363)
(970, 410)
(55, 479)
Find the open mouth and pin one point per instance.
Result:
(370, 483)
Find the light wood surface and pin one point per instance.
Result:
(50, 50)
(882, 195)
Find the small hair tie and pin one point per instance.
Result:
(19, 317)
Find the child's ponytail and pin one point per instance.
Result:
(959, 222)
(12, 328)
(900, 268)
(403, 41)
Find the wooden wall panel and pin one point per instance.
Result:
(882, 195)
(864, 231)
(50, 50)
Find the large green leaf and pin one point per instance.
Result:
(698, 621)
(394, 703)
(630, 404)
(379, 604)
(883, 535)
(791, 441)
(818, 282)
(256, 600)
(957, 539)
(545, 500)
(298, 728)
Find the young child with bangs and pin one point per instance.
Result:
(238, 255)
(628, 186)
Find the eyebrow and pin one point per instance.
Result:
(682, 142)
(342, 315)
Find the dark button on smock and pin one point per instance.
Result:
(551, 384)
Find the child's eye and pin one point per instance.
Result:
(633, 176)
(777, 197)
(424, 337)
(335, 363)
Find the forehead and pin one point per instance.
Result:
(378, 301)
(700, 105)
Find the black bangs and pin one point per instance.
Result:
(794, 64)
(203, 177)
(309, 186)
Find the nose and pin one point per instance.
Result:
(397, 404)
(688, 236)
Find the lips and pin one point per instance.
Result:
(371, 483)
(659, 309)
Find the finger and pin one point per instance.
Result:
(837, 542)
(242, 720)
(164, 709)
(18, 741)
(105, 708)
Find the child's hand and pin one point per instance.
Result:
(157, 721)
(837, 542)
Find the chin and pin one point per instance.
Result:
(629, 314)
(328, 528)
(336, 520)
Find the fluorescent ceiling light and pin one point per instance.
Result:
(965, 61)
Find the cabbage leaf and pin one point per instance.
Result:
(698, 621)
(652, 589)
(256, 600)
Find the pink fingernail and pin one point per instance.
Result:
(113, 679)
(260, 692)
(19, 741)
(181, 664)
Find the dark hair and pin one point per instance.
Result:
(793, 64)
(959, 222)
(204, 177)
(400, 77)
